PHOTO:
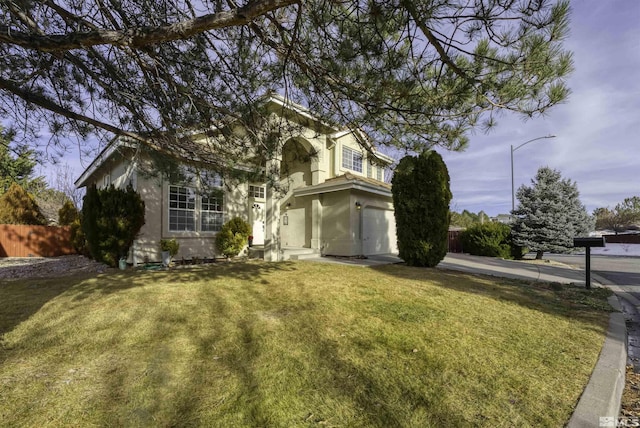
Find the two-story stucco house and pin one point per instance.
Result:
(333, 202)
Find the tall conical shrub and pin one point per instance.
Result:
(421, 197)
(18, 207)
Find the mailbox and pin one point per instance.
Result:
(592, 241)
(589, 242)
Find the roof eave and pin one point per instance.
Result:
(105, 154)
(343, 185)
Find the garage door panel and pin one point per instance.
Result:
(379, 232)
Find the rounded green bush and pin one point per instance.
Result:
(488, 239)
(233, 237)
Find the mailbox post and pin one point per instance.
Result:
(588, 243)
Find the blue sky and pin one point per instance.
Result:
(597, 142)
(597, 131)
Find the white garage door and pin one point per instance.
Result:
(378, 232)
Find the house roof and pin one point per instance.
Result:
(105, 154)
(270, 98)
(346, 181)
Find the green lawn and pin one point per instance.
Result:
(294, 344)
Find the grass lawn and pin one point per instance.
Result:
(294, 344)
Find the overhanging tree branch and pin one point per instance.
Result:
(142, 36)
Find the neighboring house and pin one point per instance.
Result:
(503, 218)
(332, 201)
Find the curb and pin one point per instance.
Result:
(602, 395)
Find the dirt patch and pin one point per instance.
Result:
(631, 395)
(46, 267)
(630, 405)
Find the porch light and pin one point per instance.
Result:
(288, 205)
(358, 206)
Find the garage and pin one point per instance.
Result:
(378, 231)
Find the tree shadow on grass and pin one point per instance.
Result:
(567, 301)
(342, 382)
(20, 299)
(122, 280)
(186, 402)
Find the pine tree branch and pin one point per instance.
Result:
(41, 101)
(144, 36)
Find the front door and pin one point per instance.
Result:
(257, 215)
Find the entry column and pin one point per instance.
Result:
(316, 223)
(272, 215)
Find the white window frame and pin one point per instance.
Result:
(202, 207)
(211, 213)
(352, 159)
(257, 192)
(182, 208)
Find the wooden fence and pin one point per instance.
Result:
(622, 239)
(455, 245)
(17, 240)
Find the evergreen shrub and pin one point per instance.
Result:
(421, 196)
(78, 239)
(111, 220)
(233, 237)
(488, 239)
(19, 207)
(67, 214)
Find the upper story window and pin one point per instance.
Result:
(380, 174)
(256, 191)
(351, 159)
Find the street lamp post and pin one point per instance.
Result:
(513, 191)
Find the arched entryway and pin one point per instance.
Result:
(295, 172)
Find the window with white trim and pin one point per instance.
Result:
(369, 169)
(211, 214)
(198, 206)
(211, 202)
(351, 159)
(256, 191)
(380, 174)
(182, 209)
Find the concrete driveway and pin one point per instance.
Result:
(536, 271)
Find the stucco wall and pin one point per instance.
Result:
(154, 192)
(338, 236)
(342, 227)
(147, 245)
(292, 227)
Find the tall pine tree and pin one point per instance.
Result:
(421, 197)
(17, 165)
(411, 74)
(549, 214)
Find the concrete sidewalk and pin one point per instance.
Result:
(513, 269)
(478, 265)
(602, 395)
